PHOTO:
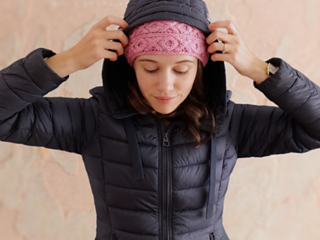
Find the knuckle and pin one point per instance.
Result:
(237, 50)
(124, 39)
(114, 56)
(233, 58)
(96, 52)
(123, 35)
(120, 48)
(95, 42)
(94, 35)
(109, 18)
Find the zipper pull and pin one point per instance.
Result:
(166, 140)
(212, 236)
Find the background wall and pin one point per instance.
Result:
(45, 194)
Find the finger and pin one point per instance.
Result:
(117, 35)
(220, 57)
(115, 46)
(217, 46)
(110, 55)
(222, 36)
(108, 20)
(228, 24)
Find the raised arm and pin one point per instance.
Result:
(60, 123)
(28, 118)
(294, 126)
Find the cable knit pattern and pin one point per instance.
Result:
(166, 37)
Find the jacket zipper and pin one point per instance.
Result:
(212, 236)
(166, 185)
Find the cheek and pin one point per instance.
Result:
(144, 86)
(186, 86)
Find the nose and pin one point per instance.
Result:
(165, 83)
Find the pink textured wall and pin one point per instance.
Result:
(45, 194)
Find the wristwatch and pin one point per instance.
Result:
(271, 69)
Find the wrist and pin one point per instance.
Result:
(62, 63)
(258, 72)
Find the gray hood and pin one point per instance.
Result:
(115, 74)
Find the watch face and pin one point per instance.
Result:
(272, 69)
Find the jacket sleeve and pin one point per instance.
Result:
(26, 117)
(294, 126)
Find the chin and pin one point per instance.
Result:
(164, 110)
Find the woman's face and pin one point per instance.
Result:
(165, 80)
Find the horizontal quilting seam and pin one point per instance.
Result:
(117, 140)
(133, 233)
(184, 143)
(283, 139)
(301, 104)
(147, 144)
(105, 161)
(191, 188)
(131, 210)
(187, 210)
(29, 75)
(123, 141)
(191, 165)
(132, 189)
(51, 135)
(200, 229)
(13, 91)
(294, 82)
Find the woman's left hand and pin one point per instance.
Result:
(237, 53)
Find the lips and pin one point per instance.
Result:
(165, 99)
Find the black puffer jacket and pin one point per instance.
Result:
(147, 183)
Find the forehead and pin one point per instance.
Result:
(166, 59)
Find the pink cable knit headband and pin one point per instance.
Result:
(166, 37)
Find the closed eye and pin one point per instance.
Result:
(153, 71)
(150, 71)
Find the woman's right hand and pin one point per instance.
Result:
(94, 46)
(96, 43)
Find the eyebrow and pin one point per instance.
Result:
(150, 60)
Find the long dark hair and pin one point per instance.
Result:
(193, 108)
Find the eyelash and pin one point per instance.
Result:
(152, 71)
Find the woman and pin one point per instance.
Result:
(160, 139)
